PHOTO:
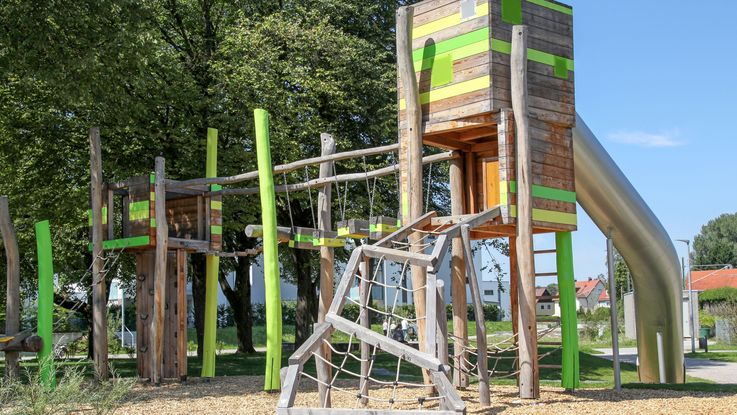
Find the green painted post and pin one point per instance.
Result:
(569, 325)
(45, 303)
(271, 254)
(212, 268)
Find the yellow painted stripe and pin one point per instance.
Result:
(216, 205)
(152, 196)
(548, 216)
(446, 22)
(329, 242)
(451, 91)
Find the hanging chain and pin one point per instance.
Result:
(289, 203)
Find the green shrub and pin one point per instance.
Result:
(706, 319)
(718, 295)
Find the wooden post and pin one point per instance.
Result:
(470, 170)
(458, 277)
(513, 285)
(327, 270)
(182, 313)
(12, 306)
(162, 242)
(442, 325)
(478, 306)
(364, 296)
(410, 158)
(99, 296)
(528, 378)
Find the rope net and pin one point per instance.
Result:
(364, 375)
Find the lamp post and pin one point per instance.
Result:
(690, 295)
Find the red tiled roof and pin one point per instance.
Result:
(707, 280)
(604, 296)
(543, 295)
(584, 288)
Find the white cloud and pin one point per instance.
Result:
(645, 139)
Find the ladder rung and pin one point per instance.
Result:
(546, 274)
(549, 343)
(545, 251)
(550, 366)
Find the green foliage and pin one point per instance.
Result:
(706, 319)
(717, 241)
(73, 393)
(718, 295)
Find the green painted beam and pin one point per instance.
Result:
(570, 378)
(271, 254)
(212, 268)
(45, 304)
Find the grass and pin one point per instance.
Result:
(716, 356)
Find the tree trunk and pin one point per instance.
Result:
(240, 301)
(198, 298)
(306, 296)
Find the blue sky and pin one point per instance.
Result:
(657, 83)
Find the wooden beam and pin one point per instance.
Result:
(514, 287)
(286, 168)
(99, 296)
(341, 178)
(304, 352)
(458, 276)
(445, 142)
(21, 342)
(410, 354)
(470, 182)
(364, 292)
(162, 241)
(182, 314)
(529, 373)
(12, 268)
(406, 229)
(327, 269)
(442, 323)
(478, 305)
(410, 153)
(257, 231)
(413, 258)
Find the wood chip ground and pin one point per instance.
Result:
(243, 395)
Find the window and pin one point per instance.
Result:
(549, 306)
(488, 292)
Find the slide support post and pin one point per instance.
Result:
(567, 291)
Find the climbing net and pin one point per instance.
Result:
(381, 381)
(503, 355)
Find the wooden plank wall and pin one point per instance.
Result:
(441, 38)
(551, 97)
(182, 217)
(175, 315)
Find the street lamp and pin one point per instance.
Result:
(690, 295)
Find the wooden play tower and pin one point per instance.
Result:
(493, 80)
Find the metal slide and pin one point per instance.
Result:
(617, 209)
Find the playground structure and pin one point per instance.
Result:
(498, 97)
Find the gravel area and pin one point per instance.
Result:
(243, 395)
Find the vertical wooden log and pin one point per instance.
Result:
(327, 270)
(478, 306)
(513, 285)
(99, 296)
(410, 151)
(470, 169)
(182, 313)
(528, 377)
(442, 326)
(110, 224)
(458, 277)
(364, 295)
(162, 242)
(12, 267)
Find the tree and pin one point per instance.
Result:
(553, 289)
(717, 242)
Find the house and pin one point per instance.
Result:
(708, 280)
(588, 293)
(603, 299)
(545, 303)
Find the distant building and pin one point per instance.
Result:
(603, 299)
(709, 280)
(545, 304)
(588, 293)
(630, 326)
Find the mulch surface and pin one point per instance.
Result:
(243, 395)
